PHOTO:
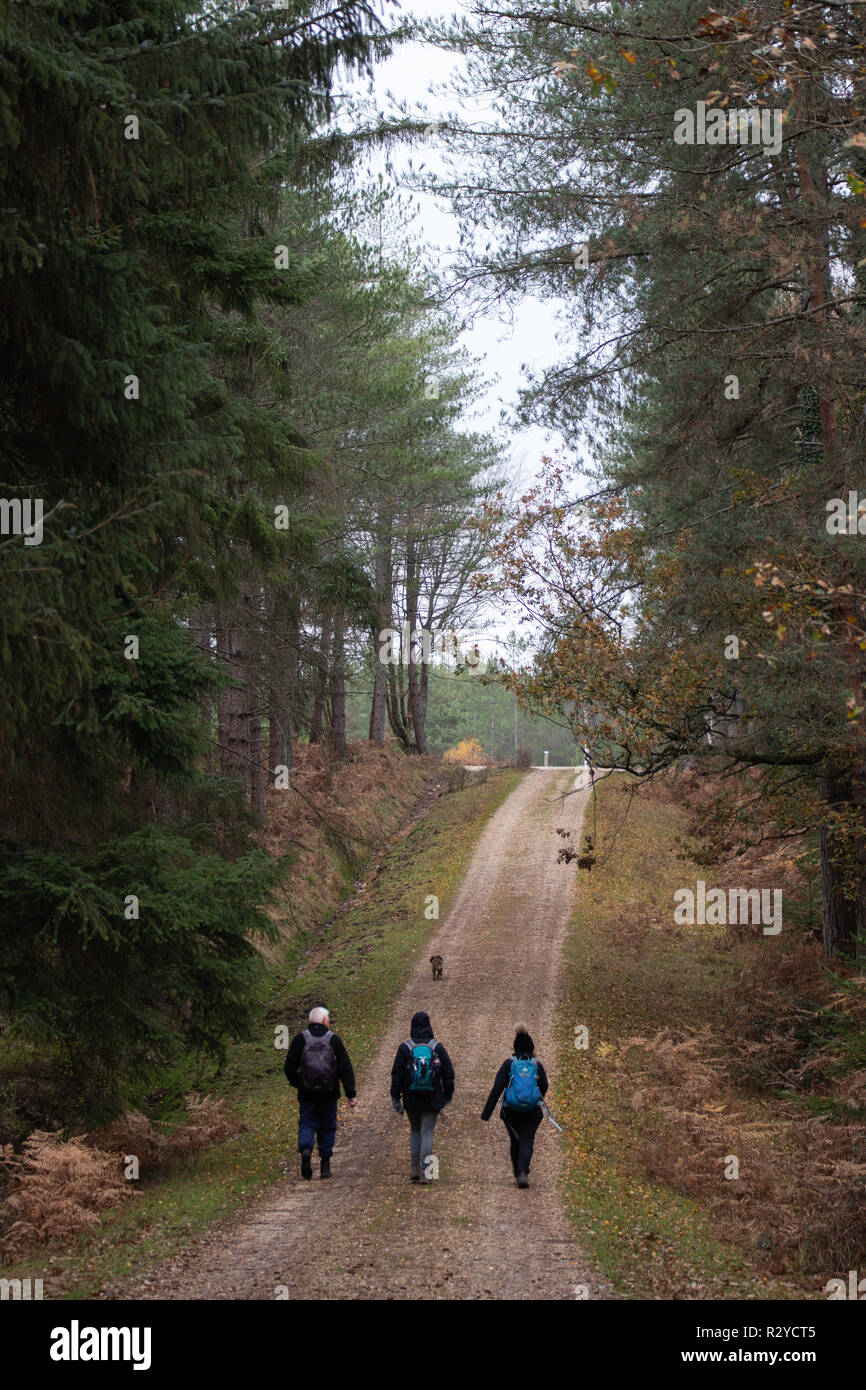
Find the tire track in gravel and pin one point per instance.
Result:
(369, 1233)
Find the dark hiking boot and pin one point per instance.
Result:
(306, 1163)
(522, 1179)
(415, 1175)
(324, 1167)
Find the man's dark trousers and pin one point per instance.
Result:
(318, 1121)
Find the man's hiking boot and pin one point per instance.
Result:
(324, 1168)
(415, 1175)
(306, 1163)
(522, 1179)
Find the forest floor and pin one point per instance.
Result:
(471, 1234)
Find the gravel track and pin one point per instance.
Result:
(369, 1233)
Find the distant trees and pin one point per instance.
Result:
(472, 703)
(378, 386)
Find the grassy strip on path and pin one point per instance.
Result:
(630, 972)
(357, 964)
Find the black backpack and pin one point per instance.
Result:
(318, 1066)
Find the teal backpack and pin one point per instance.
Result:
(522, 1092)
(424, 1067)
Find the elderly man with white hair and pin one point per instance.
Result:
(317, 1063)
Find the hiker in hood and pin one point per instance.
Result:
(422, 1081)
(317, 1063)
(524, 1081)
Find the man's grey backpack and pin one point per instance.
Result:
(318, 1068)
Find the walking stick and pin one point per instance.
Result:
(546, 1112)
(550, 1117)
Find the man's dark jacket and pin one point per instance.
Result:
(345, 1073)
(421, 1032)
(499, 1085)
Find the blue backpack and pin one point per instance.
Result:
(424, 1066)
(522, 1092)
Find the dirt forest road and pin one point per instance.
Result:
(369, 1232)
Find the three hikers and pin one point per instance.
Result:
(422, 1082)
(524, 1081)
(317, 1063)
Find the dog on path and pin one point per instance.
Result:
(437, 963)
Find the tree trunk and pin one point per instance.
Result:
(844, 903)
(423, 693)
(415, 703)
(384, 599)
(257, 772)
(222, 656)
(283, 686)
(338, 693)
(200, 633)
(843, 885)
(234, 717)
(377, 709)
(317, 718)
(395, 707)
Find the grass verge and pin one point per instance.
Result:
(630, 973)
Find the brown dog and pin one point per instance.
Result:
(437, 963)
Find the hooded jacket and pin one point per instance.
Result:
(345, 1074)
(421, 1101)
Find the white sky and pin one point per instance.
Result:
(527, 334)
(417, 76)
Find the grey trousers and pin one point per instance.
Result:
(422, 1123)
